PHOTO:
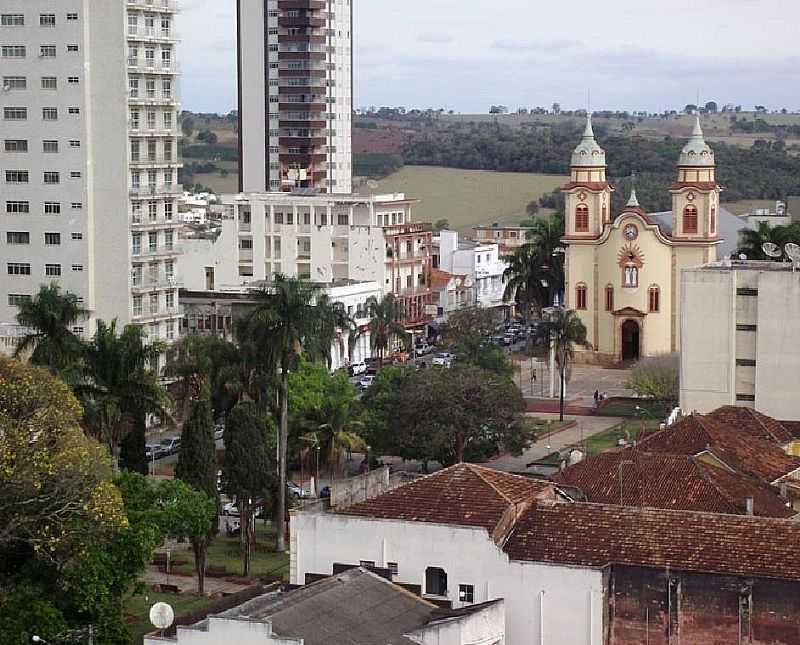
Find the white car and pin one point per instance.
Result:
(358, 368)
(441, 361)
(366, 381)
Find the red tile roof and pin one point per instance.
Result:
(463, 495)
(793, 427)
(595, 535)
(757, 424)
(635, 478)
(736, 448)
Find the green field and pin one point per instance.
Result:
(467, 197)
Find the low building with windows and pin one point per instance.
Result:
(507, 236)
(481, 261)
(623, 271)
(739, 324)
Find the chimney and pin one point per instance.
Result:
(749, 502)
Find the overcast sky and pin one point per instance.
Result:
(468, 54)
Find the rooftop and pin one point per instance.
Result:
(746, 265)
(635, 478)
(462, 495)
(754, 423)
(596, 535)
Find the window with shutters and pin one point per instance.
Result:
(580, 296)
(582, 218)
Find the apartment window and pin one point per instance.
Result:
(137, 243)
(15, 83)
(19, 268)
(49, 83)
(12, 20)
(52, 208)
(72, 16)
(77, 236)
(133, 87)
(77, 330)
(435, 581)
(135, 120)
(166, 89)
(73, 80)
(746, 397)
(466, 593)
(392, 566)
(169, 239)
(166, 58)
(74, 110)
(153, 303)
(47, 51)
(168, 151)
(77, 205)
(149, 57)
(75, 174)
(246, 243)
(150, 88)
(170, 302)
(168, 177)
(12, 51)
(17, 299)
(74, 143)
(170, 326)
(609, 298)
(580, 296)
(15, 113)
(168, 120)
(654, 299)
(18, 237)
(745, 291)
(51, 177)
(152, 241)
(137, 305)
(16, 176)
(49, 114)
(47, 20)
(52, 239)
(135, 145)
(72, 48)
(168, 211)
(745, 362)
(16, 145)
(52, 270)
(49, 146)
(151, 120)
(746, 327)
(152, 211)
(151, 150)
(15, 207)
(77, 267)
(690, 219)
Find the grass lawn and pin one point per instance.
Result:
(627, 408)
(137, 609)
(608, 439)
(468, 197)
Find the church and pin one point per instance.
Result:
(623, 273)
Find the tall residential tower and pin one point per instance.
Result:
(63, 167)
(295, 94)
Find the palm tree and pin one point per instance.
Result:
(563, 330)
(50, 316)
(290, 319)
(751, 241)
(119, 385)
(384, 325)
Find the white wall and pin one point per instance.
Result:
(227, 631)
(544, 604)
(253, 101)
(486, 627)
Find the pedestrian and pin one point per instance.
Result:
(596, 397)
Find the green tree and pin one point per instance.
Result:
(467, 331)
(197, 466)
(656, 377)
(563, 330)
(132, 454)
(187, 126)
(441, 225)
(385, 324)
(286, 323)
(532, 208)
(49, 317)
(248, 472)
(751, 241)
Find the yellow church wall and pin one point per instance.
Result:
(580, 269)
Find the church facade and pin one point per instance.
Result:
(622, 274)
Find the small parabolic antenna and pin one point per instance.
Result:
(771, 250)
(792, 251)
(371, 183)
(161, 615)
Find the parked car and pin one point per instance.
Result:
(508, 339)
(366, 381)
(325, 492)
(441, 361)
(219, 431)
(447, 355)
(423, 348)
(153, 451)
(296, 490)
(170, 446)
(356, 369)
(231, 509)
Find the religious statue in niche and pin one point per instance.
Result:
(631, 274)
(630, 259)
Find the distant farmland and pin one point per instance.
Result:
(467, 197)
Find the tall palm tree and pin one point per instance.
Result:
(50, 316)
(384, 325)
(119, 384)
(563, 330)
(289, 320)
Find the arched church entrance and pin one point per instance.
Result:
(630, 340)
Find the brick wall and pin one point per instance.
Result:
(668, 608)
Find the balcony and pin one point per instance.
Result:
(302, 158)
(144, 66)
(302, 38)
(317, 91)
(312, 55)
(303, 107)
(139, 131)
(313, 5)
(155, 189)
(312, 125)
(152, 315)
(156, 251)
(158, 161)
(151, 34)
(302, 73)
(301, 21)
(138, 99)
(149, 282)
(300, 142)
(170, 6)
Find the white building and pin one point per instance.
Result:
(63, 161)
(295, 94)
(740, 322)
(153, 157)
(480, 261)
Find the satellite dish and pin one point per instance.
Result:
(792, 251)
(742, 256)
(371, 183)
(771, 250)
(161, 615)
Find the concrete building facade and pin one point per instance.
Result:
(153, 121)
(295, 94)
(481, 261)
(64, 169)
(739, 323)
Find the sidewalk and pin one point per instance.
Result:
(188, 584)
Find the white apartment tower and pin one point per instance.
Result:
(295, 94)
(153, 120)
(63, 167)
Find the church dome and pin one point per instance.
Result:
(588, 152)
(696, 152)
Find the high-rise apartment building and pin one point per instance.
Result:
(153, 120)
(295, 94)
(63, 167)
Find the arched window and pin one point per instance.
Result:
(690, 219)
(609, 298)
(713, 227)
(580, 296)
(582, 218)
(654, 299)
